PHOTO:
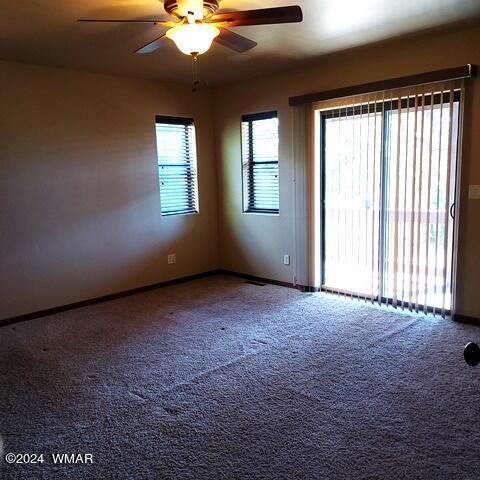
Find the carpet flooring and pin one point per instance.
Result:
(221, 379)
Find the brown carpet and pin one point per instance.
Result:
(220, 379)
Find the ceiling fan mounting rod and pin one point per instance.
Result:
(172, 5)
(195, 71)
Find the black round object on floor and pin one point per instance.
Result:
(472, 354)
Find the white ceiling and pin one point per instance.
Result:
(45, 32)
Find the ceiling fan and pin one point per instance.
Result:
(199, 23)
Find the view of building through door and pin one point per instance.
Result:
(388, 186)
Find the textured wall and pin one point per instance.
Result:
(79, 193)
(255, 244)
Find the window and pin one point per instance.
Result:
(177, 165)
(260, 162)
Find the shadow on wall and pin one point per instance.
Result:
(80, 276)
(242, 261)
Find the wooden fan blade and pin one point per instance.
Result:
(151, 46)
(264, 16)
(154, 22)
(234, 41)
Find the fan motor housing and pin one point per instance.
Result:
(209, 6)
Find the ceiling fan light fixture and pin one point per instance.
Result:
(193, 38)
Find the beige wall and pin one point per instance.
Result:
(255, 244)
(79, 194)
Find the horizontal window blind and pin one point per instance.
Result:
(260, 162)
(388, 189)
(177, 165)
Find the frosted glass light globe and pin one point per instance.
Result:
(193, 37)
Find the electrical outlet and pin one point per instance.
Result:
(171, 259)
(286, 259)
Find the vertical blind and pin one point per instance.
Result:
(177, 165)
(388, 186)
(260, 162)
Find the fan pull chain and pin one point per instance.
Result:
(195, 71)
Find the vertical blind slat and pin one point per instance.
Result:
(420, 191)
(370, 196)
(340, 169)
(437, 202)
(429, 181)
(345, 197)
(397, 199)
(404, 213)
(447, 204)
(412, 213)
(352, 199)
(380, 271)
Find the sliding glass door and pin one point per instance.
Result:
(388, 184)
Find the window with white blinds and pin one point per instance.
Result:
(260, 162)
(177, 165)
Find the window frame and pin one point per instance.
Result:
(247, 189)
(191, 163)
